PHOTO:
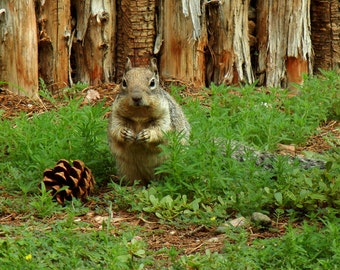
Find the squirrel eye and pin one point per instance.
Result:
(124, 84)
(152, 83)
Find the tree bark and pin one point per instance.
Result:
(284, 47)
(135, 33)
(197, 42)
(326, 33)
(76, 42)
(18, 47)
(93, 41)
(182, 52)
(54, 22)
(228, 54)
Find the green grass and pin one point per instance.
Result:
(203, 185)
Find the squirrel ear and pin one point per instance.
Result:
(153, 65)
(128, 64)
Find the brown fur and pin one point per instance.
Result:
(141, 113)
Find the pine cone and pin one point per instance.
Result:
(78, 178)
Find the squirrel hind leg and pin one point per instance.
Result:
(131, 173)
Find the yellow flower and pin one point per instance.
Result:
(28, 257)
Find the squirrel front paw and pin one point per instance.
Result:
(127, 134)
(143, 136)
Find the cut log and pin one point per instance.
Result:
(182, 52)
(54, 22)
(18, 47)
(196, 42)
(284, 44)
(228, 54)
(135, 33)
(92, 43)
(326, 33)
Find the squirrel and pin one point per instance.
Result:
(141, 113)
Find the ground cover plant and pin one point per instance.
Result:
(138, 227)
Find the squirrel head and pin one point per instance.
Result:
(140, 85)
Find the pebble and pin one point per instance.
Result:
(237, 222)
(261, 219)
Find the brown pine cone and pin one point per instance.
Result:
(78, 178)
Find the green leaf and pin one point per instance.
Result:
(319, 197)
(153, 200)
(278, 197)
(168, 201)
(329, 165)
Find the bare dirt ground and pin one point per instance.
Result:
(191, 239)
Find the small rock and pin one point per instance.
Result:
(213, 240)
(237, 222)
(261, 219)
(137, 238)
(91, 96)
(286, 148)
(100, 219)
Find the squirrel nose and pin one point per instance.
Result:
(136, 96)
(137, 100)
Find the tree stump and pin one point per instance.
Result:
(18, 47)
(326, 34)
(284, 44)
(228, 48)
(135, 33)
(54, 22)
